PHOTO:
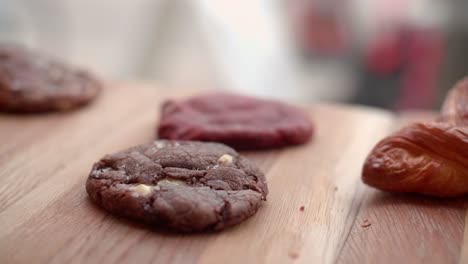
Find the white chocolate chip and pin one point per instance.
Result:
(159, 144)
(171, 181)
(142, 190)
(225, 159)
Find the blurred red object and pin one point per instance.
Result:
(318, 27)
(415, 54)
(385, 53)
(421, 76)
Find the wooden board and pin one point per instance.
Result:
(46, 217)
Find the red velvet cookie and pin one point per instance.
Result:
(238, 121)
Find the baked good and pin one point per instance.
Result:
(33, 82)
(182, 185)
(239, 121)
(429, 158)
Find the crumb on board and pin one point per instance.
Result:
(366, 223)
(301, 208)
(293, 254)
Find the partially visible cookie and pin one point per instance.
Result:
(33, 82)
(182, 185)
(239, 121)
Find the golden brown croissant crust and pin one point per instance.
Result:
(428, 158)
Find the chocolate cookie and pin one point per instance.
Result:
(182, 185)
(32, 82)
(239, 121)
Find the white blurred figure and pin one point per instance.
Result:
(251, 49)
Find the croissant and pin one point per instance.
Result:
(428, 158)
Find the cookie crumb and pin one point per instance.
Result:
(293, 254)
(366, 223)
(301, 208)
(225, 159)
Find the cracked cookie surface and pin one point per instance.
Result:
(33, 82)
(182, 185)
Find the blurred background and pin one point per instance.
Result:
(394, 54)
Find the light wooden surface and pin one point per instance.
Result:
(46, 217)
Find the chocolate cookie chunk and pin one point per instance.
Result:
(239, 121)
(32, 82)
(183, 185)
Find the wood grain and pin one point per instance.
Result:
(46, 216)
(403, 228)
